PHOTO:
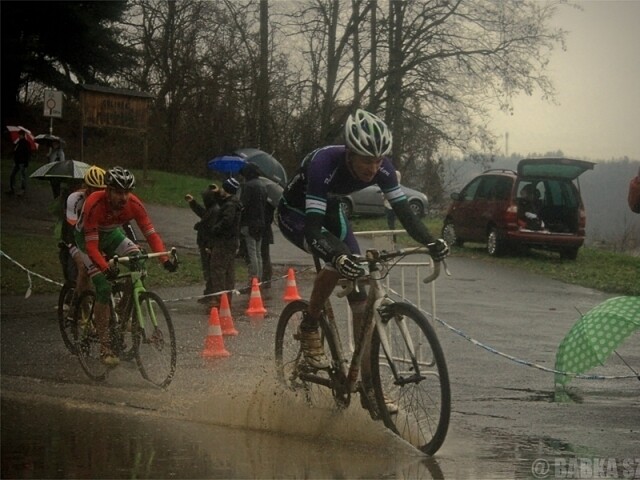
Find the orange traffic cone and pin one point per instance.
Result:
(255, 300)
(226, 321)
(214, 344)
(291, 291)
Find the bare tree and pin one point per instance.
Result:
(264, 139)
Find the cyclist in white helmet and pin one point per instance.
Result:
(309, 215)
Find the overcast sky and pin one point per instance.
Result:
(597, 82)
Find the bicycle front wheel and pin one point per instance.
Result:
(155, 340)
(86, 339)
(65, 315)
(313, 385)
(410, 377)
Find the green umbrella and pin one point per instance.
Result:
(595, 336)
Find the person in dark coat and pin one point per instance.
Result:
(253, 199)
(225, 240)
(56, 155)
(203, 227)
(267, 241)
(21, 156)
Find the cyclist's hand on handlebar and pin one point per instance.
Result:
(438, 250)
(170, 266)
(111, 272)
(348, 266)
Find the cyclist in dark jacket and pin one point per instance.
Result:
(309, 216)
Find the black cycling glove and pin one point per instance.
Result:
(170, 266)
(111, 272)
(438, 250)
(348, 266)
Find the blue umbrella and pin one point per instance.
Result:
(226, 164)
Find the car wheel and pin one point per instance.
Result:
(569, 253)
(495, 245)
(417, 208)
(450, 236)
(346, 207)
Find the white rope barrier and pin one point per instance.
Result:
(29, 274)
(401, 296)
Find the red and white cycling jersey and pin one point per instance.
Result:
(99, 217)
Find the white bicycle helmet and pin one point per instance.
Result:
(367, 135)
(119, 177)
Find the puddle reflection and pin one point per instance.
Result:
(52, 441)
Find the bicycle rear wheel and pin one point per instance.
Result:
(155, 340)
(65, 315)
(420, 386)
(313, 385)
(85, 334)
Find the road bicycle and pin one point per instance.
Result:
(140, 326)
(397, 365)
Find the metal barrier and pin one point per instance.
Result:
(383, 240)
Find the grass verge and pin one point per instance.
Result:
(609, 272)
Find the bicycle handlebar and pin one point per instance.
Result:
(373, 255)
(116, 259)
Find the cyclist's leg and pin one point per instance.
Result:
(110, 242)
(83, 282)
(292, 224)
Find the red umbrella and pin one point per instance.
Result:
(14, 133)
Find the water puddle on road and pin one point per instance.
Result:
(52, 440)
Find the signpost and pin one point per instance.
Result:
(52, 106)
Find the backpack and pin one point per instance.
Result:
(634, 194)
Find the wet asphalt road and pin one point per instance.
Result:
(504, 421)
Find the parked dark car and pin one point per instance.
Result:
(369, 201)
(538, 206)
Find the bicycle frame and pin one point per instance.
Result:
(137, 286)
(395, 348)
(376, 300)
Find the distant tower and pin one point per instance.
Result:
(506, 144)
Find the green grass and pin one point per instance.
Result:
(168, 189)
(599, 269)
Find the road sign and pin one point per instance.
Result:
(53, 103)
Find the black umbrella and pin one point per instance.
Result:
(47, 139)
(274, 191)
(69, 169)
(269, 166)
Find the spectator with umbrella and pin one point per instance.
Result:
(252, 224)
(56, 155)
(21, 157)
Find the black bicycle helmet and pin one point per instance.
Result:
(119, 177)
(367, 135)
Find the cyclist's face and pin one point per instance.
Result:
(118, 198)
(363, 167)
